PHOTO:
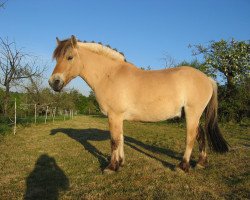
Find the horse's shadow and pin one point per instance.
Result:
(84, 136)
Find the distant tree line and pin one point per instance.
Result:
(63, 101)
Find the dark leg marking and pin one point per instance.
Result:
(114, 162)
(114, 144)
(201, 138)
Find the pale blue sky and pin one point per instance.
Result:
(144, 30)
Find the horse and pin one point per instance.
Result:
(126, 92)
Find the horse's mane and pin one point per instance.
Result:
(98, 48)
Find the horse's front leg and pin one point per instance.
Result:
(117, 152)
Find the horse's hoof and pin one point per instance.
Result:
(184, 166)
(111, 168)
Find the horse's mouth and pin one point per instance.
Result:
(56, 85)
(57, 89)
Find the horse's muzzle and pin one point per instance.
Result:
(56, 84)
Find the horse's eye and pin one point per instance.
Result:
(70, 58)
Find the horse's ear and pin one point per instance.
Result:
(57, 41)
(73, 40)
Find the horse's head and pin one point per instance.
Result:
(68, 63)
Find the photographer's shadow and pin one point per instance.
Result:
(83, 136)
(46, 180)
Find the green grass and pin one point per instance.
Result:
(65, 160)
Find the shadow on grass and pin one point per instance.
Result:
(46, 179)
(83, 136)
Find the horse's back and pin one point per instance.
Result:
(173, 82)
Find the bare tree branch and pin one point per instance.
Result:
(15, 67)
(169, 61)
(2, 4)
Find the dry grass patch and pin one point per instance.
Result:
(65, 160)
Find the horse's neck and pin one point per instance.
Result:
(96, 68)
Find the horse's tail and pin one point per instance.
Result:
(215, 139)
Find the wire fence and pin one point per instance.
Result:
(25, 114)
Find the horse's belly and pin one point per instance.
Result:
(153, 114)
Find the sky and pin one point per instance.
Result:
(144, 30)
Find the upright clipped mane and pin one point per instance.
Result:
(92, 46)
(103, 50)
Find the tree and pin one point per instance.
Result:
(2, 4)
(169, 61)
(231, 61)
(230, 58)
(92, 105)
(80, 101)
(15, 66)
(197, 65)
(146, 68)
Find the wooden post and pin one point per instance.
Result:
(64, 115)
(35, 113)
(15, 119)
(46, 114)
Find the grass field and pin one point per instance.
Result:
(64, 160)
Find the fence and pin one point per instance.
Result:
(40, 114)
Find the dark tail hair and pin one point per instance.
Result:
(215, 139)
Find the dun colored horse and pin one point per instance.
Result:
(125, 92)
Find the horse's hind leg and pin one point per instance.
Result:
(117, 154)
(202, 147)
(192, 119)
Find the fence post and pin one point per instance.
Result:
(35, 113)
(46, 114)
(15, 119)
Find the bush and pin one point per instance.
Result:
(4, 127)
(236, 106)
